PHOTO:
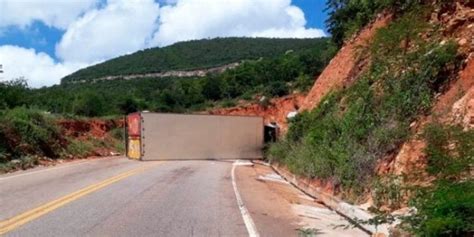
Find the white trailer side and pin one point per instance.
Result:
(195, 136)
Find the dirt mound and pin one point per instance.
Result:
(275, 111)
(83, 129)
(346, 66)
(90, 130)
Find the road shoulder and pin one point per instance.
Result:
(279, 209)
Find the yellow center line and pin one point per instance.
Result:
(21, 219)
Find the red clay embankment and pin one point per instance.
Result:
(275, 111)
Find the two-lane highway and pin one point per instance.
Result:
(120, 197)
(188, 198)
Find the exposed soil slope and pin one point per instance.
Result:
(346, 66)
(276, 110)
(96, 128)
(455, 106)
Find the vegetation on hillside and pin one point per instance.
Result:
(195, 54)
(351, 130)
(347, 17)
(446, 208)
(278, 76)
(27, 135)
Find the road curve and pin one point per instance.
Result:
(121, 197)
(188, 198)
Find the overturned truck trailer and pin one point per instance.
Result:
(163, 136)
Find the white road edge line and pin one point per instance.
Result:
(251, 229)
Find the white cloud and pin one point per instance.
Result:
(123, 26)
(94, 33)
(196, 19)
(58, 13)
(38, 68)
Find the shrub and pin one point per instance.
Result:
(6, 167)
(27, 135)
(13, 93)
(303, 82)
(444, 209)
(78, 148)
(25, 162)
(118, 133)
(28, 131)
(276, 89)
(228, 103)
(29, 161)
(390, 191)
(346, 17)
(3, 156)
(450, 151)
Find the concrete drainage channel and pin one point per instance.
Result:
(352, 213)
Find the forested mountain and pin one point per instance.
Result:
(272, 67)
(196, 54)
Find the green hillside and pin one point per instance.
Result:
(195, 54)
(272, 77)
(281, 72)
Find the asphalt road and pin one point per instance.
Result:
(120, 197)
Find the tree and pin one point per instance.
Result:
(90, 104)
(129, 105)
(277, 88)
(13, 93)
(212, 88)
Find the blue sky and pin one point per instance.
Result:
(314, 12)
(37, 36)
(43, 41)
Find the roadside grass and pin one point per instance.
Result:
(25, 162)
(28, 135)
(309, 232)
(78, 148)
(28, 131)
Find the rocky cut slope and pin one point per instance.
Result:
(393, 116)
